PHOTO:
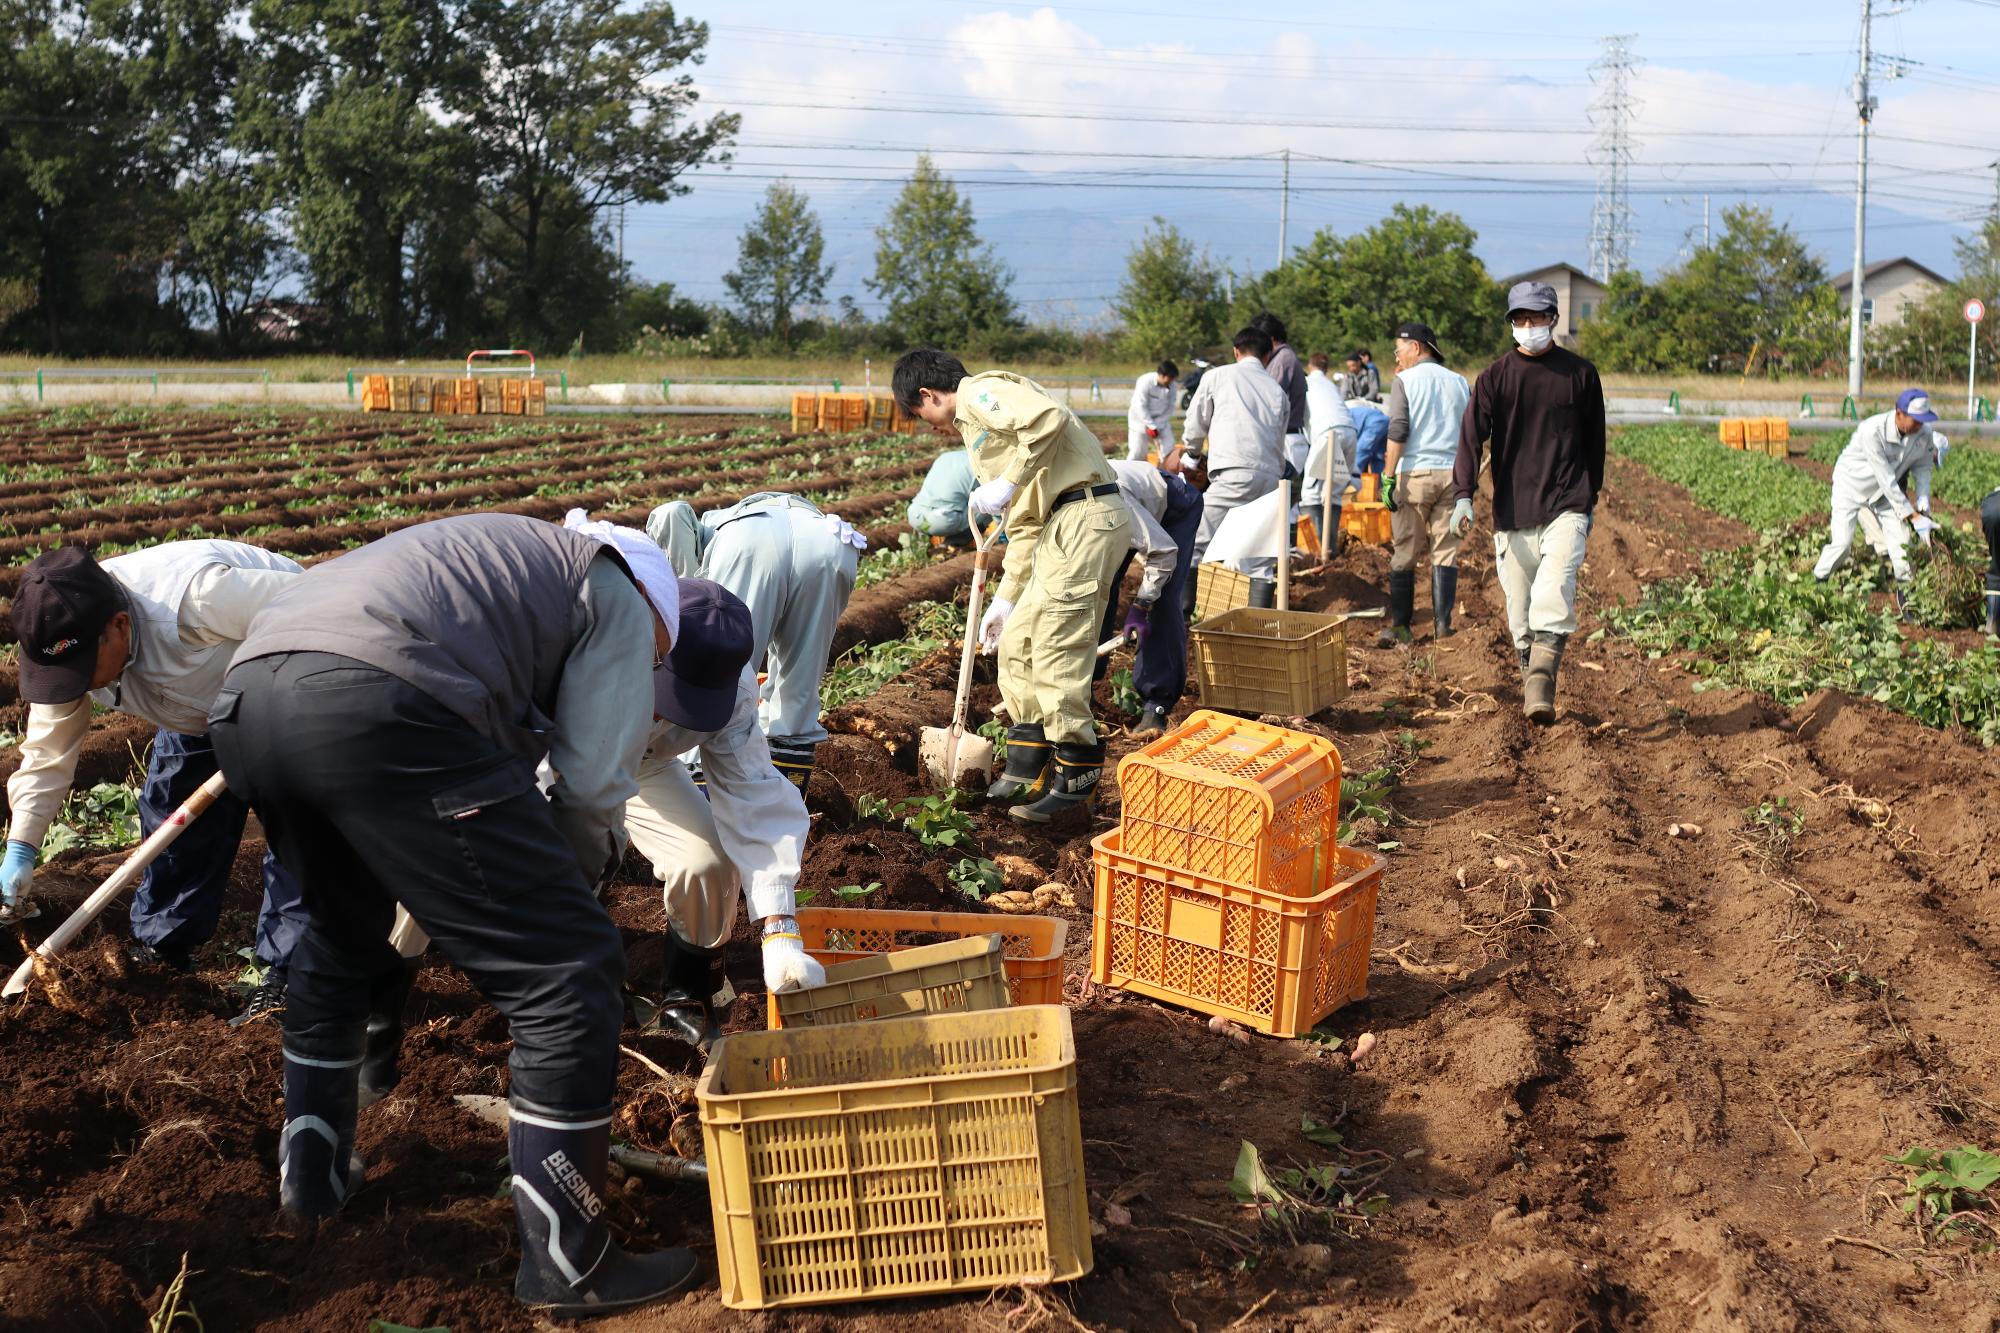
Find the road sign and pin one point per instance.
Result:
(1975, 310)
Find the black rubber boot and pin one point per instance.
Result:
(317, 1165)
(380, 1072)
(795, 762)
(1263, 594)
(1330, 543)
(1151, 725)
(1073, 782)
(1444, 595)
(568, 1264)
(1538, 690)
(1025, 775)
(1899, 596)
(687, 993)
(1402, 606)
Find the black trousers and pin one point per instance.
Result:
(375, 794)
(1989, 519)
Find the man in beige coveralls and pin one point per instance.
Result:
(1067, 533)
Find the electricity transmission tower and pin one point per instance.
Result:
(1611, 153)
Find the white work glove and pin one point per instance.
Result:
(994, 496)
(993, 622)
(1941, 446)
(1924, 525)
(787, 965)
(1461, 518)
(843, 531)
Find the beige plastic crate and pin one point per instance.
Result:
(957, 976)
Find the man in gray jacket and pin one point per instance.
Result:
(1236, 427)
(385, 719)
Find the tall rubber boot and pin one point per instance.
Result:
(1332, 538)
(1444, 595)
(1523, 652)
(317, 1165)
(1899, 596)
(1025, 774)
(379, 1068)
(687, 993)
(1263, 594)
(569, 1265)
(1402, 605)
(795, 763)
(1073, 782)
(1538, 690)
(1993, 605)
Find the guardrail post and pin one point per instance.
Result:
(836, 384)
(565, 384)
(350, 384)
(1096, 392)
(1982, 410)
(1674, 401)
(156, 384)
(1805, 405)
(1848, 410)
(666, 389)
(38, 384)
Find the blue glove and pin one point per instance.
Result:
(17, 871)
(1461, 518)
(1137, 622)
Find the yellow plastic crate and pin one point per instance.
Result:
(1367, 522)
(1033, 944)
(1292, 663)
(805, 411)
(914, 1156)
(881, 412)
(489, 396)
(374, 393)
(1271, 962)
(842, 412)
(537, 397)
(956, 976)
(1756, 434)
(1218, 588)
(1731, 432)
(1235, 800)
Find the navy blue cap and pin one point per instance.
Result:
(63, 602)
(696, 686)
(1915, 403)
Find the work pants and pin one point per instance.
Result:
(1138, 444)
(1229, 489)
(1847, 508)
(1048, 649)
(671, 825)
(180, 897)
(1424, 502)
(1989, 519)
(375, 795)
(1537, 571)
(795, 576)
(1159, 668)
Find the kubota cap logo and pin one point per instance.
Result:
(59, 647)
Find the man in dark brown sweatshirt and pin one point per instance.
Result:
(1542, 406)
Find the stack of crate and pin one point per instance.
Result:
(841, 413)
(1224, 888)
(1758, 435)
(1363, 516)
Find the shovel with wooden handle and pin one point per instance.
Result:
(951, 753)
(121, 879)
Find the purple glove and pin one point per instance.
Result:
(1136, 622)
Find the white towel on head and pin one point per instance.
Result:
(644, 558)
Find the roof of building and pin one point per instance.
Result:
(1538, 271)
(1845, 279)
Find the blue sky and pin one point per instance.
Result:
(1070, 126)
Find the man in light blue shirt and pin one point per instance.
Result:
(939, 509)
(1426, 405)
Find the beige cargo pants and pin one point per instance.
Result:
(1423, 515)
(1049, 647)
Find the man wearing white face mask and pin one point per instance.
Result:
(1542, 406)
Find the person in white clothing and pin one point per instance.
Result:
(150, 633)
(1331, 430)
(1166, 512)
(1149, 420)
(1882, 449)
(750, 831)
(1235, 427)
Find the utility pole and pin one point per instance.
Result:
(1864, 106)
(1285, 209)
(1611, 151)
(1704, 222)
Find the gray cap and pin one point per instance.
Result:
(1530, 296)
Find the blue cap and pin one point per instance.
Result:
(696, 686)
(1915, 403)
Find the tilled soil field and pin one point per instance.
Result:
(1623, 1079)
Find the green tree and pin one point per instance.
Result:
(580, 106)
(779, 264)
(943, 285)
(1171, 298)
(1336, 292)
(342, 98)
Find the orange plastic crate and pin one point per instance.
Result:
(1236, 800)
(805, 411)
(1273, 963)
(1731, 432)
(1756, 433)
(467, 395)
(1033, 944)
(1367, 522)
(537, 397)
